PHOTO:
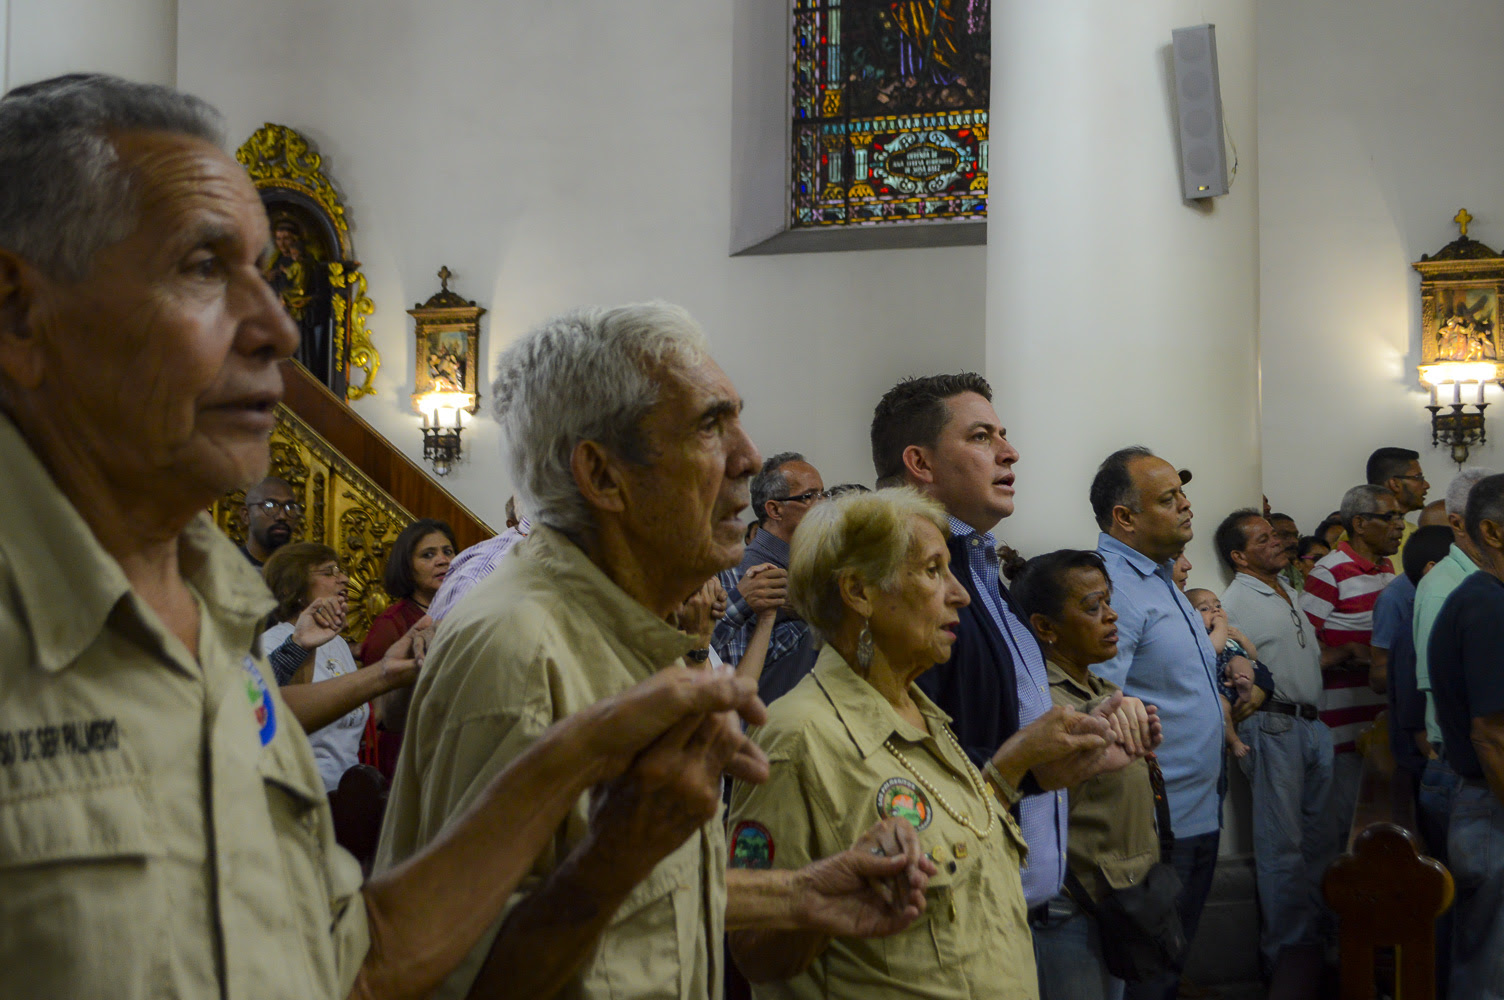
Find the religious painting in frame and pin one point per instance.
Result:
(1460, 292)
(311, 264)
(448, 345)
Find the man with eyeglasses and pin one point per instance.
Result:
(1290, 766)
(784, 490)
(1398, 471)
(1340, 593)
(273, 516)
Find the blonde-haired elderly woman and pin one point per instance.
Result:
(855, 742)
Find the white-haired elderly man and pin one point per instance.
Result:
(163, 828)
(626, 443)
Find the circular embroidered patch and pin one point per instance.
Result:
(260, 697)
(751, 846)
(901, 797)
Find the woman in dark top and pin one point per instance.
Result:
(415, 568)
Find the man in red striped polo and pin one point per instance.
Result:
(1340, 593)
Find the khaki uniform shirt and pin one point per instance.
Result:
(832, 778)
(1113, 840)
(545, 635)
(163, 828)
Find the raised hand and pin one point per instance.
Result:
(320, 622)
(765, 587)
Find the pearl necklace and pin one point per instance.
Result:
(971, 772)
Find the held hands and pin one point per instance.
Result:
(874, 889)
(1062, 747)
(765, 587)
(404, 658)
(1136, 727)
(663, 746)
(320, 622)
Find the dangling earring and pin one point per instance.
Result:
(864, 647)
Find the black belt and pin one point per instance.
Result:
(1307, 712)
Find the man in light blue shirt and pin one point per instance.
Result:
(1165, 658)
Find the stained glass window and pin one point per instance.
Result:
(890, 111)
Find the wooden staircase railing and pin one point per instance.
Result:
(1385, 891)
(357, 489)
(393, 472)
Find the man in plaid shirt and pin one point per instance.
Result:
(783, 491)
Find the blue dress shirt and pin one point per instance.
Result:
(1043, 818)
(1165, 658)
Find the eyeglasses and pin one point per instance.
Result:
(328, 569)
(292, 507)
(806, 497)
(1300, 629)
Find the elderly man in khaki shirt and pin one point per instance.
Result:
(163, 828)
(626, 443)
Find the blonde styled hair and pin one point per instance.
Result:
(865, 534)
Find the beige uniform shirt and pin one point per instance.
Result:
(163, 828)
(832, 778)
(1113, 841)
(542, 637)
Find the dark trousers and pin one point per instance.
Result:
(1194, 860)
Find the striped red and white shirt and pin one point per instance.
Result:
(1339, 596)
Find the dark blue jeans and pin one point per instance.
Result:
(1195, 861)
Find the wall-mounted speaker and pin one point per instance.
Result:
(1198, 103)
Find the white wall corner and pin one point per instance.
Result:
(760, 129)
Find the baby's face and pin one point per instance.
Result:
(1206, 602)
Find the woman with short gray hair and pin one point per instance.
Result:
(856, 741)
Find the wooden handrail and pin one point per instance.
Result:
(365, 448)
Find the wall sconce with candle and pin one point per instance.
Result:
(448, 351)
(1460, 289)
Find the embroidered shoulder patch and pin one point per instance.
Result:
(751, 846)
(901, 797)
(260, 697)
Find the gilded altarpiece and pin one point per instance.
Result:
(311, 264)
(343, 508)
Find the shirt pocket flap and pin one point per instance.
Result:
(1126, 872)
(76, 823)
(282, 767)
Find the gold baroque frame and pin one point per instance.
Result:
(284, 167)
(447, 328)
(1461, 305)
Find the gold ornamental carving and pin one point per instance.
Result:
(342, 508)
(1461, 290)
(301, 198)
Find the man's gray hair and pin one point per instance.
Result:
(771, 482)
(589, 375)
(63, 193)
(1361, 500)
(1459, 488)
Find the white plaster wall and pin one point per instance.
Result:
(563, 154)
(1377, 121)
(131, 38)
(1118, 313)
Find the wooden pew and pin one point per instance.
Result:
(1385, 891)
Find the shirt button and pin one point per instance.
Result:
(975, 542)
